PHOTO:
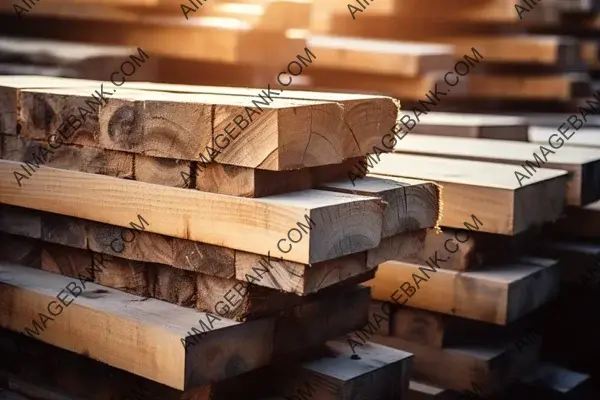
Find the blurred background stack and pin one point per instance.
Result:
(486, 289)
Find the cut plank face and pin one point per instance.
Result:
(582, 163)
(306, 226)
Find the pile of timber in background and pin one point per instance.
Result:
(215, 286)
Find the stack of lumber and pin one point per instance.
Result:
(474, 304)
(518, 69)
(135, 241)
(399, 68)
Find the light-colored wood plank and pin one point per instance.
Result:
(583, 164)
(145, 335)
(498, 294)
(426, 391)
(585, 137)
(380, 56)
(411, 204)
(471, 125)
(353, 223)
(487, 190)
(367, 117)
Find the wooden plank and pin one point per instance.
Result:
(463, 249)
(583, 165)
(471, 125)
(161, 171)
(565, 87)
(405, 246)
(102, 313)
(586, 137)
(368, 117)
(579, 222)
(380, 56)
(486, 190)
(165, 128)
(482, 370)
(251, 182)
(411, 204)
(239, 43)
(185, 213)
(442, 331)
(580, 261)
(559, 51)
(405, 88)
(17, 251)
(426, 391)
(226, 297)
(184, 254)
(555, 120)
(377, 373)
(498, 294)
(554, 381)
(74, 158)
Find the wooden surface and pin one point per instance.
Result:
(368, 117)
(378, 373)
(145, 335)
(74, 158)
(487, 190)
(184, 213)
(579, 222)
(463, 368)
(498, 294)
(563, 87)
(471, 125)
(411, 204)
(582, 164)
(179, 253)
(586, 137)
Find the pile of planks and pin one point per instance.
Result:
(513, 275)
(127, 253)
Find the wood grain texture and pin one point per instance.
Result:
(298, 278)
(161, 171)
(251, 182)
(467, 249)
(487, 190)
(15, 250)
(498, 294)
(292, 133)
(468, 368)
(366, 117)
(411, 204)
(181, 253)
(10, 92)
(583, 164)
(73, 158)
(353, 223)
(471, 125)
(406, 246)
(103, 312)
(74, 263)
